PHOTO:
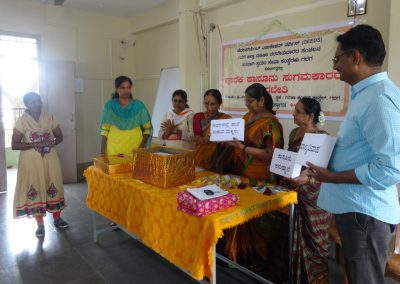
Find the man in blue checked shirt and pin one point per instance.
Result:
(360, 186)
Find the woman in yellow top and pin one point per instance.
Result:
(125, 122)
(201, 129)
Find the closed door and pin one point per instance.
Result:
(57, 88)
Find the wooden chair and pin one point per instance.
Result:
(393, 267)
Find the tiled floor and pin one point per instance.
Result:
(71, 256)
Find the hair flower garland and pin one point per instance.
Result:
(321, 118)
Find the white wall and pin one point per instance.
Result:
(90, 40)
(155, 49)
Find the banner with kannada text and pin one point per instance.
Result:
(290, 66)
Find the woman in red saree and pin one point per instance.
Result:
(247, 244)
(205, 149)
(310, 240)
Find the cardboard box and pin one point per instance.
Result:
(316, 148)
(284, 163)
(163, 166)
(190, 204)
(114, 165)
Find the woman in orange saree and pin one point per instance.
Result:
(251, 159)
(247, 244)
(201, 128)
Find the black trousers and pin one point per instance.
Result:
(365, 242)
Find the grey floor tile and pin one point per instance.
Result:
(100, 255)
(90, 279)
(11, 275)
(142, 273)
(59, 269)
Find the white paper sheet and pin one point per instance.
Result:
(284, 163)
(316, 148)
(227, 129)
(201, 195)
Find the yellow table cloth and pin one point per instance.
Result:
(151, 213)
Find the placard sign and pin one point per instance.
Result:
(284, 163)
(227, 129)
(316, 148)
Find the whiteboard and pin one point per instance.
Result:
(169, 82)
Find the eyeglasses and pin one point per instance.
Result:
(335, 60)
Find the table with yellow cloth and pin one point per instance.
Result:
(151, 214)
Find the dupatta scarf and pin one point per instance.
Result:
(134, 115)
(178, 118)
(181, 121)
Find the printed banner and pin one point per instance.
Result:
(290, 67)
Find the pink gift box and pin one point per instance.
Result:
(190, 204)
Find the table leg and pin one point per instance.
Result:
(244, 269)
(291, 223)
(214, 266)
(94, 224)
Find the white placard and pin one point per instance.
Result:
(316, 148)
(284, 163)
(227, 129)
(213, 190)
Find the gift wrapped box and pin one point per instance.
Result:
(190, 204)
(114, 165)
(163, 166)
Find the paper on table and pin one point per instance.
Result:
(201, 195)
(227, 129)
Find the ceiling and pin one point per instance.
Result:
(119, 8)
